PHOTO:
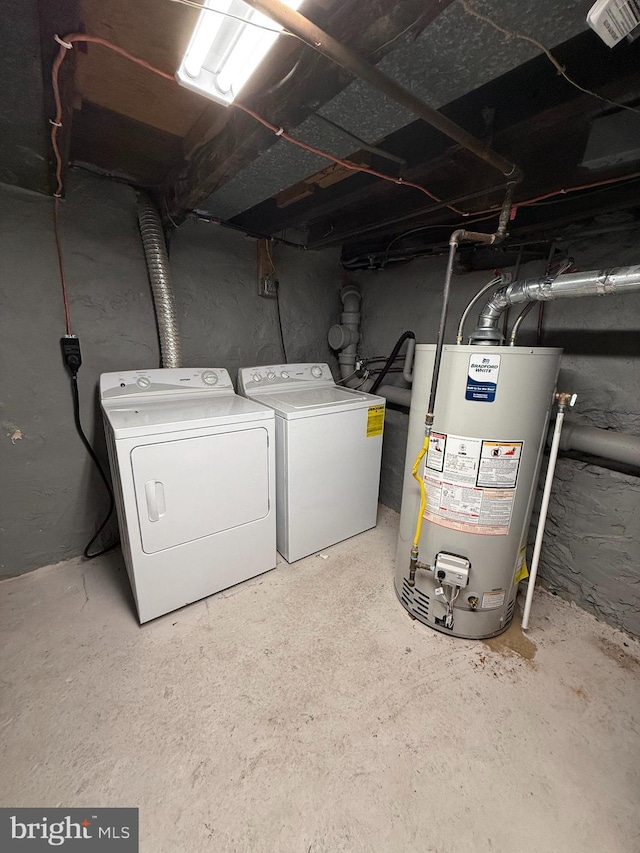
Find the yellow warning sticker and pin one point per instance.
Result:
(375, 421)
(522, 571)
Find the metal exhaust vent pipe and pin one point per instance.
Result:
(594, 283)
(155, 252)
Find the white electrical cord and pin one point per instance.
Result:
(544, 509)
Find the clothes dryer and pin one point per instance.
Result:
(193, 468)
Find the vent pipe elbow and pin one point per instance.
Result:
(570, 285)
(155, 252)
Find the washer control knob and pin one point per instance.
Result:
(284, 375)
(143, 382)
(316, 371)
(257, 377)
(271, 377)
(209, 377)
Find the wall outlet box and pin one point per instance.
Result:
(267, 286)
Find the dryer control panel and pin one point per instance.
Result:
(270, 376)
(188, 380)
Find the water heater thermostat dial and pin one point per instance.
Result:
(210, 377)
(316, 371)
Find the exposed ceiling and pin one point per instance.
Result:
(194, 155)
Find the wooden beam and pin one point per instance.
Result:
(314, 82)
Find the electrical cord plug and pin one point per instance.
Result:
(71, 354)
(72, 358)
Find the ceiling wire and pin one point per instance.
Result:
(63, 278)
(400, 34)
(469, 8)
(68, 41)
(346, 164)
(419, 229)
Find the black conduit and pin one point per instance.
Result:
(405, 336)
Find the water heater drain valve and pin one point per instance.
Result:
(452, 569)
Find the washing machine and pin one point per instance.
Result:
(328, 452)
(193, 469)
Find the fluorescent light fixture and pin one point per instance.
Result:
(224, 51)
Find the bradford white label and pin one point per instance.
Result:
(482, 377)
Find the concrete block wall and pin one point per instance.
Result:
(51, 498)
(592, 547)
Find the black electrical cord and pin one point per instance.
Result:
(284, 349)
(394, 353)
(76, 417)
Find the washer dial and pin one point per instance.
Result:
(209, 377)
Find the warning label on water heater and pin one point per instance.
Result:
(471, 483)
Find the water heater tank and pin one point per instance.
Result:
(481, 472)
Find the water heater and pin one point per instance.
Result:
(480, 474)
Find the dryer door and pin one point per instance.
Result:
(195, 487)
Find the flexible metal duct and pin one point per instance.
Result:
(594, 283)
(155, 252)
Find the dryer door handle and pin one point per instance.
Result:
(154, 491)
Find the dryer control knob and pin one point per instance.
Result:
(257, 377)
(316, 371)
(271, 377)
(284, 375)
(209, 377)
(143, 382)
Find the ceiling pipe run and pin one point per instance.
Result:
(593, 283)
(323, 43)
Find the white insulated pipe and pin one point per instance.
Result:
(544, 509)
(395, 394)
(607, 443)
(407, 370)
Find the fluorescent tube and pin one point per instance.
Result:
(224, 52)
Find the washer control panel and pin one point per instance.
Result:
(166, 380)
(279, 375)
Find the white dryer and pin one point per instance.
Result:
(328, 453)
(193, 470)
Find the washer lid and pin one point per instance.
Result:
(306, 402)
(153, 416)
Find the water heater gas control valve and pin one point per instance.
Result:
(452, 569)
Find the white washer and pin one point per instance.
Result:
(328, 451)
(193, 473)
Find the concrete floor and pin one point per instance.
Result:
(304, 711)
